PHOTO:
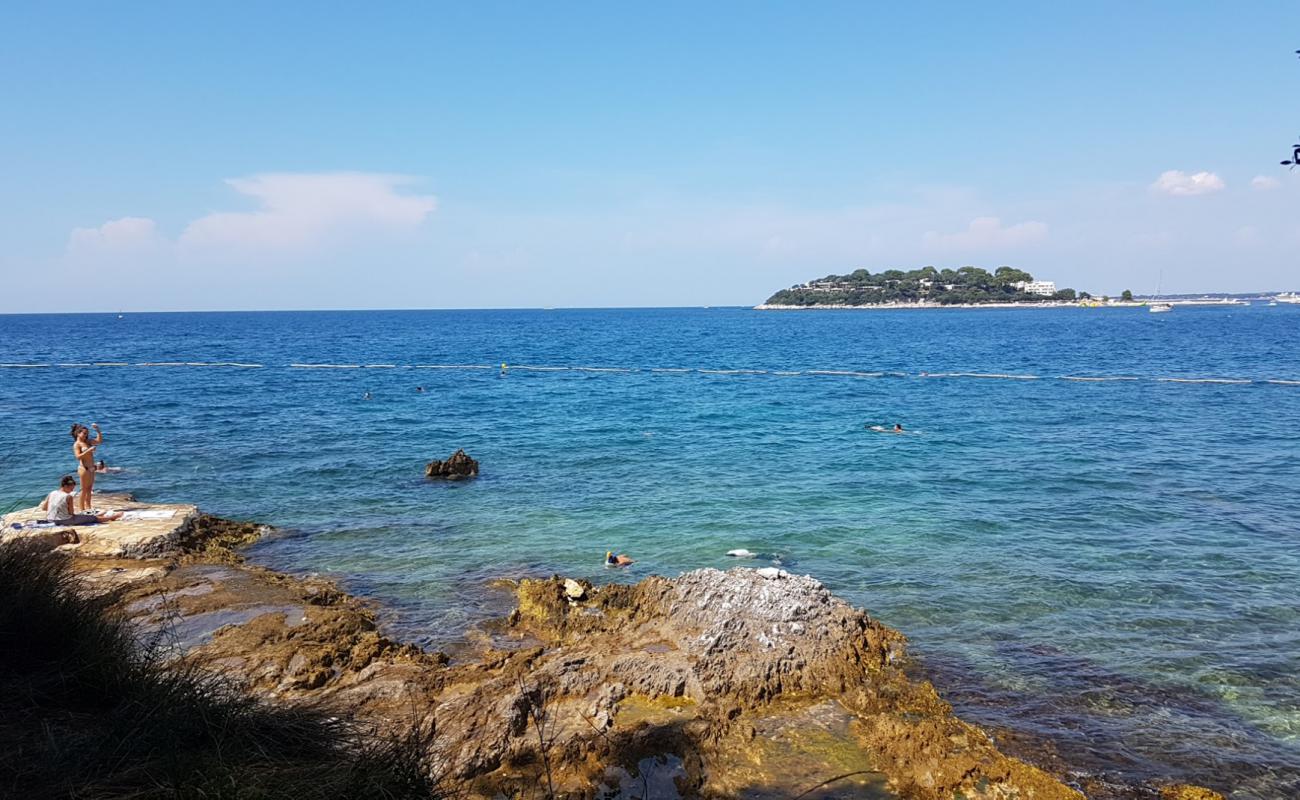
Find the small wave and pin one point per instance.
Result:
(670, 369)
(380, 366)
(112, 364)
(1282, 382)
(603, 369)
(1096, 378)
(453, 366)
(1205, 380)
(163, 364)
(786, 373)
(998, 375)
(531, 368)
(324, 366)
(23, 366)
(75, 364)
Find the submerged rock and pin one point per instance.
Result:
(1182, 791)
(455, 468)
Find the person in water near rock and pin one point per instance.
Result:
(83, 449)
(619, 560)
(57, 506)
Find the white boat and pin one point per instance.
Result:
(1288, 297)
(1160, 306)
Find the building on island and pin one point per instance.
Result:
(1041, 288)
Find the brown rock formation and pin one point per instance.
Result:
(745, 683)
(457, 467)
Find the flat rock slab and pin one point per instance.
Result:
(148, 530)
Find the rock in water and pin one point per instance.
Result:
(458, 466)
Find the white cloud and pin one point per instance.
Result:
(125, 235)
(987, 232)
(1264, 183)
(298, 212)
(1180, 184)
(301, 210)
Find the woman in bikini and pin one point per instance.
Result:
(83, 449)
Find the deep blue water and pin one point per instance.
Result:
(1113, 564)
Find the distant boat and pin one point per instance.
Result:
(1273, 303)
(1160, 307)
(1288, 297)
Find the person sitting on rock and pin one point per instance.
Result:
(57, 506)
(619, 560)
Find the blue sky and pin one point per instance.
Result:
(173, 156)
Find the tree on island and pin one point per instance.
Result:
(1009, 275)
(967, 285)
(1127, 296)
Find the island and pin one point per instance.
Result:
(925, 287)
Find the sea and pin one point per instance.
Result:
(1088, 529)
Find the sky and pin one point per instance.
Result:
(185, 156)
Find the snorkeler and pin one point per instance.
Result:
(898, 428)
(619, 560)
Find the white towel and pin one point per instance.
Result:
(150, 513)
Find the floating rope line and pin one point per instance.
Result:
(828, 373)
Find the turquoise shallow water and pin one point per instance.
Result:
(1112, 564)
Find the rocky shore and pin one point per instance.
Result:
(744, 683)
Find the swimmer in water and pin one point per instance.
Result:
(419, 388)
(366, 396)
(619, 560)
(898, 428)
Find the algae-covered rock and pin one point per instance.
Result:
(1183, 791)
(702, 667)
(457, 467)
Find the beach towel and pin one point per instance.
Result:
(150, 513)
